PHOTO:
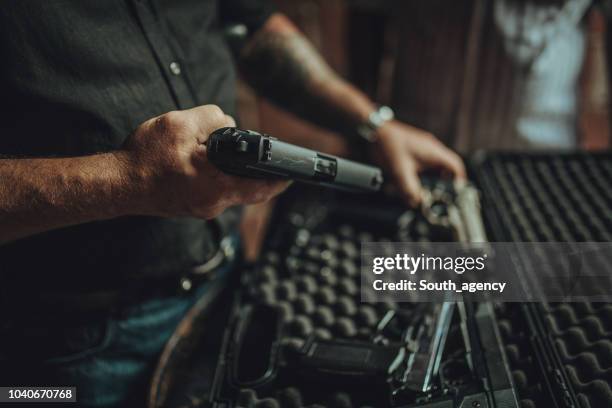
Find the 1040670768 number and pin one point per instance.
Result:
(38, 394)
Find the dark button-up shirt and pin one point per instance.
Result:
(76, 78)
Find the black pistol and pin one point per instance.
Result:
(247, 153)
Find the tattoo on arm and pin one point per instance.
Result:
(286, 68)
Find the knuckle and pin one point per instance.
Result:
(169, 120)
(216, 113)
(176, 122)
(188, 125)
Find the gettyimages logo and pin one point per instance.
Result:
(458, 264)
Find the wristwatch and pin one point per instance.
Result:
(375, 120)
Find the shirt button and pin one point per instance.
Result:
(175, 68)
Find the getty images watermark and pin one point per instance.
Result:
(515, 272)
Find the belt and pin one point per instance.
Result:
(47, 305)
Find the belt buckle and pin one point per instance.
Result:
(225, 252)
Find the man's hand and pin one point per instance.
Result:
(161, 170)
(167, 155)
(406, 151)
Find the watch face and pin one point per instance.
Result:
(386, 113)
(380, 116)
(375, 120)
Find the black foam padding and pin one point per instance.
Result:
(346, 306)
(345, 327)
(348, 268)
(326, 295)
(528, 379)
(294, 343)
(267, 403)
(304, 303)
(306, 284)
(247, 398)
(341, 400)
(290, 398)
(324, 316)
(314, 280)
(267, 293)
(328, 276)
(323, 333)
(286, 290)
(301, 326)
(527, 404)
(520, 379)
(583, 336)
(286, 310)
(367, 316)
(364, 334)
(548, 197)
(348, 286)
(349, 249)
(272, 257)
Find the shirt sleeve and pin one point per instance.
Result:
(252, 13)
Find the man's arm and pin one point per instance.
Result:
(161, 170)
(281, 64)
(42, 194)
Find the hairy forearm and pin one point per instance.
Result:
(282, 65)
(37, 195)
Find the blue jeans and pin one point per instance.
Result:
(111, 361)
